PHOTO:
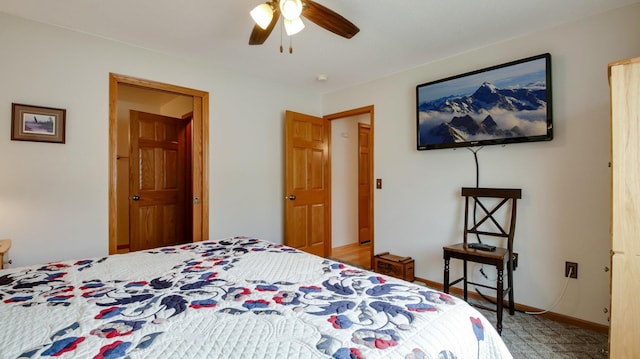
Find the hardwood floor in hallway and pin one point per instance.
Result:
(355, 254)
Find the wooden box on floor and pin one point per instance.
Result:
(393, 265)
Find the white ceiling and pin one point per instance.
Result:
(394, 35)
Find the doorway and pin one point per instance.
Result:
(129, 93)
(351, 153)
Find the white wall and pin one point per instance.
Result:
(54, 197)
(564, 212)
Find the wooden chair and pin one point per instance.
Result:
(487, 225)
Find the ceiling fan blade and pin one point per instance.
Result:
(328, 19)
(259, 35)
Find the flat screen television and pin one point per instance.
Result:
(502, 104)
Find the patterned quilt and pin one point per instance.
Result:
(232, 298)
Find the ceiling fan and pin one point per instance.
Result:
(266, 16)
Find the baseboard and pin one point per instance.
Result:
(600, 328)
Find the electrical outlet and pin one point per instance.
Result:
(515, 261)
(571, 267)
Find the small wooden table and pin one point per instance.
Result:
(393, 265)
(5, 244)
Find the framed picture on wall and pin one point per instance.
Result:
(36, 123)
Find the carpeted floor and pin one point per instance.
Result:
(531, 336)
(534, 337)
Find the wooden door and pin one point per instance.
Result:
(158, 208)
(307, 185)
(364, 183)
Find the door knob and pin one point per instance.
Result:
(135, 198)
(291, 197)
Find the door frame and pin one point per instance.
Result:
(199, 153)
(350, 113)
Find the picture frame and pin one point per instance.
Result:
(37, 123)
(506, 103)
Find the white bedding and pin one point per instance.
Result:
(232, 298)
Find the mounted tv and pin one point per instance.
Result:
(502, 104)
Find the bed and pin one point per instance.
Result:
(237, 297)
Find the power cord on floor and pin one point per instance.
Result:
(564, 290)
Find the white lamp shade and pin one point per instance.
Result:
(291, 9)
(262, 15)
(293, 26)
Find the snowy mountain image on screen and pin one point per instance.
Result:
(487, 113)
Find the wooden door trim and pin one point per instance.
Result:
(199, 154)
(349, 113)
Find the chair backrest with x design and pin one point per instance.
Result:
(488, 224)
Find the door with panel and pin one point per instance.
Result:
(158, 210)
(307, 184)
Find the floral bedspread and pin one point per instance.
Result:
(232, 298)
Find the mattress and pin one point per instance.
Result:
(232, 298)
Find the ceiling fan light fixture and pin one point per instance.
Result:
(291, 9)
(294, 26)
(291, 12)
(262, 15)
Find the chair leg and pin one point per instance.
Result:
(499, 299)
(464, 266)
(446, 276)
(512, 308)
